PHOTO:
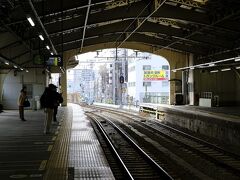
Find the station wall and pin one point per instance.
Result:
(238, 89)
(222, 84)
(13, 83)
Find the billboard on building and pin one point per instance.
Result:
(155, 75)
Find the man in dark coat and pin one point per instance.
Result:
(58, 101)
(48, 100)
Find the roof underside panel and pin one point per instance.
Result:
(210, 30)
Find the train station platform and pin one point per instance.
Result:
(70, 151)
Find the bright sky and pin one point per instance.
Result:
(91, 56)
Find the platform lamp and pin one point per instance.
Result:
(30, 20)
(41, 37)
(237, 59)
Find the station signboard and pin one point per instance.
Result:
(155, 75)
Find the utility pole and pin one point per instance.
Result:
(114, 78)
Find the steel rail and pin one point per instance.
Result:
(178, 131)
(197, 151)
(112, 147)
(164, 174)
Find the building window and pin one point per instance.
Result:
(165, 83)
(146, 84)
(165, 67)
(131, 68)
(146, 67)
(131, 84)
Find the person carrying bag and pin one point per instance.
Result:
(26, 103)
(21, 102)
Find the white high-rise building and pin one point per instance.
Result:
(81, 81)
(148, 80)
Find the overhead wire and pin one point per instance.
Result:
(136, 18)
(160, 4)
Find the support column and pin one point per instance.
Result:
(63, 81)
(191, 81)
(2, 78)
(184, 87)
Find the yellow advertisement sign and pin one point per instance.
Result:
(155, 75)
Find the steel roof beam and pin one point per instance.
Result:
(16, 36)
(110, 38)
(85, 25)
(42, 26)
(227, 16)
(150, 27)
(147, 28)
(158, 4)
(10, 45)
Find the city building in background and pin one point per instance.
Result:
(81, 81)
(120, 76)
(148, 80)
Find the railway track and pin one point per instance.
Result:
(202, 159)
(133, 162)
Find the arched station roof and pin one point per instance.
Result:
(210, 29)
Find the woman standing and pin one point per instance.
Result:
(21, 99)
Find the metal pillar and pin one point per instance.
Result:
(114, 79)
(191, 90)
(184, 86)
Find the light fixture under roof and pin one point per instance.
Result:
(201, 1)
(206, 65)
(213, 71)
(200, 10)
(237, 58)
(7, 63)
(48, 47)
(171, 3)
(15, 66)
(191, 67)
(186, 7)
(238, 67)
(21, 69)
(41, 37)
(226, 69)
(51, 53)
(30, 21)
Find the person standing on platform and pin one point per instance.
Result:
(47, 101)
(58, 100)
(22, 97)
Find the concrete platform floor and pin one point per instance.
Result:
(70, 151)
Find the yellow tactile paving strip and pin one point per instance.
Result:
(57, 165)
(76, 149)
